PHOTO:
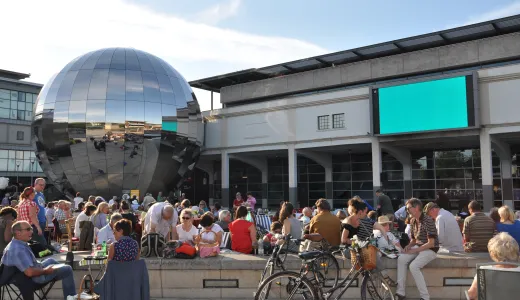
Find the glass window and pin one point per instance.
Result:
(29, 97)
(5, 94)
(21, 96)
(21, 105)
(29, 106)
(14, 104)
(153, 113)
(338, 121)
(3, 164)
(12, 154)
(14, 96)
(131, 60)
(4, 154)
(77, 111)
(5, 103)
(134, 111)
(19, 135)
(167, 95)
(4, 113)
(14, 114)
(11, 164)
(323, 122)
(180, 95)
(19, 154)
(28, 115)
(115, 112)
(66, 86)
(61, 112)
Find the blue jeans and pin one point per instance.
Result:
(63, 273)
(39, 238)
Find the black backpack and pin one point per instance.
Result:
(152, 243)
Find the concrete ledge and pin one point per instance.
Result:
(184, 279)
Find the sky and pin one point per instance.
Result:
(212, 37)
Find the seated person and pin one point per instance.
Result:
(127, 213)
(208, 243)
(19, 254)
(270, 239)
(88, 210)
(7, 218)
(502, 248)
(186, 231)
(224, 218)
(106, 234)
(49, 213)
(125, 248)
(243, 232)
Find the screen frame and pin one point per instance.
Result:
(475, 109)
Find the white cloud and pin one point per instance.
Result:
(219, 12)
(48, 34)
(497, 13)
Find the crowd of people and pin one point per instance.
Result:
(415, 232)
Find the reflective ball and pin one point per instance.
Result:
(117, 120)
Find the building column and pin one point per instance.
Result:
(404, 156)
(293, 175)
(503, 151)
(328, 185)
(487, 169)
(376, 168)
(265, 204)
(211, 188)
(225, 179)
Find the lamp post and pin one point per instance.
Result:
(32, 169)
(17, 170)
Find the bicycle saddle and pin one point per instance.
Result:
(308, 255)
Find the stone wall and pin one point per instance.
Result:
(236, 276)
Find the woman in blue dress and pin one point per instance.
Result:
(125, 248)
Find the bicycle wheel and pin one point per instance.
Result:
(286, 285)
(326, 269)
(375, 287)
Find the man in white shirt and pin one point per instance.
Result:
(106, 234)
(77, 200)
(448, 230)
(161, 218)
(88, 210)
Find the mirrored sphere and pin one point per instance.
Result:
(116, 120)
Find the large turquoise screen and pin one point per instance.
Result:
(424, 106)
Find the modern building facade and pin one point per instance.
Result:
(417, 117)
(17, 99)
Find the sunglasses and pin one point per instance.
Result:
(186, 218)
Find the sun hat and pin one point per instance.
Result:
(383, 220)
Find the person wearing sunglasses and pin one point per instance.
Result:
(186, 231)
(18, 254)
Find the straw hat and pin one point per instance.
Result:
(383, 220)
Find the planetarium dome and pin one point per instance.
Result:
(116, 120)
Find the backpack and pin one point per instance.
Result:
(152, 242)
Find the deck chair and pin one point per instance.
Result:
(226, 239)
(498, 283)
(16, 285)
(263, 221)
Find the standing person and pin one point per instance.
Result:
(148, 200)
(39, 199)
(422, 249)
(77, 200)
(385, 204)
(478, 229)
(161, 218)
(448, 230)
(28, 211)
(251, 201)
(238, 201)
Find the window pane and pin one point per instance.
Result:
(151, 88)
(26, 166)
(28, 115)
(4, 154)
(19, 154)
(5, 94)
(12, 154)
(134, 86)
(98, 85)
(81, 85)
(3, 164)
(29, 106)
(116, 85)
(14, 114)
(11, 165)
(28, 97)
(5, 103)
(14, 104)
(21, 96)
(4, 113)
(21, 105)
(96, 111)
(21, 115)
(14, 96)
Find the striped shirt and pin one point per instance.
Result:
(365, 229)
(423, 229)
(478, 230)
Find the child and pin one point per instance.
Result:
(387, 243)
(270, 238)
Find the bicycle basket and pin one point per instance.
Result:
(368, 258)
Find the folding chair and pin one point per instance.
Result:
(498, 283)
(226, 238)
(263, 221)
(17, 286)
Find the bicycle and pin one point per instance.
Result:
(324, 268)
(292, 285)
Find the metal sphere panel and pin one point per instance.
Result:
(114, 120)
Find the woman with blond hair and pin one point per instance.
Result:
(508, 223)
(502, 249)
(99, 217)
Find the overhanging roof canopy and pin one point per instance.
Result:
(13, 75)
(420, 42)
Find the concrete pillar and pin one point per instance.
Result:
(328, 184)
(225, 179)
(503, 150)
(404, 156)
(211, 188)
(377, 167)
(293, 175)
(487, 169)
(265, 204)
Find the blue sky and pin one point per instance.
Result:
(211, 37)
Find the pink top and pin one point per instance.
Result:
(251, 201)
